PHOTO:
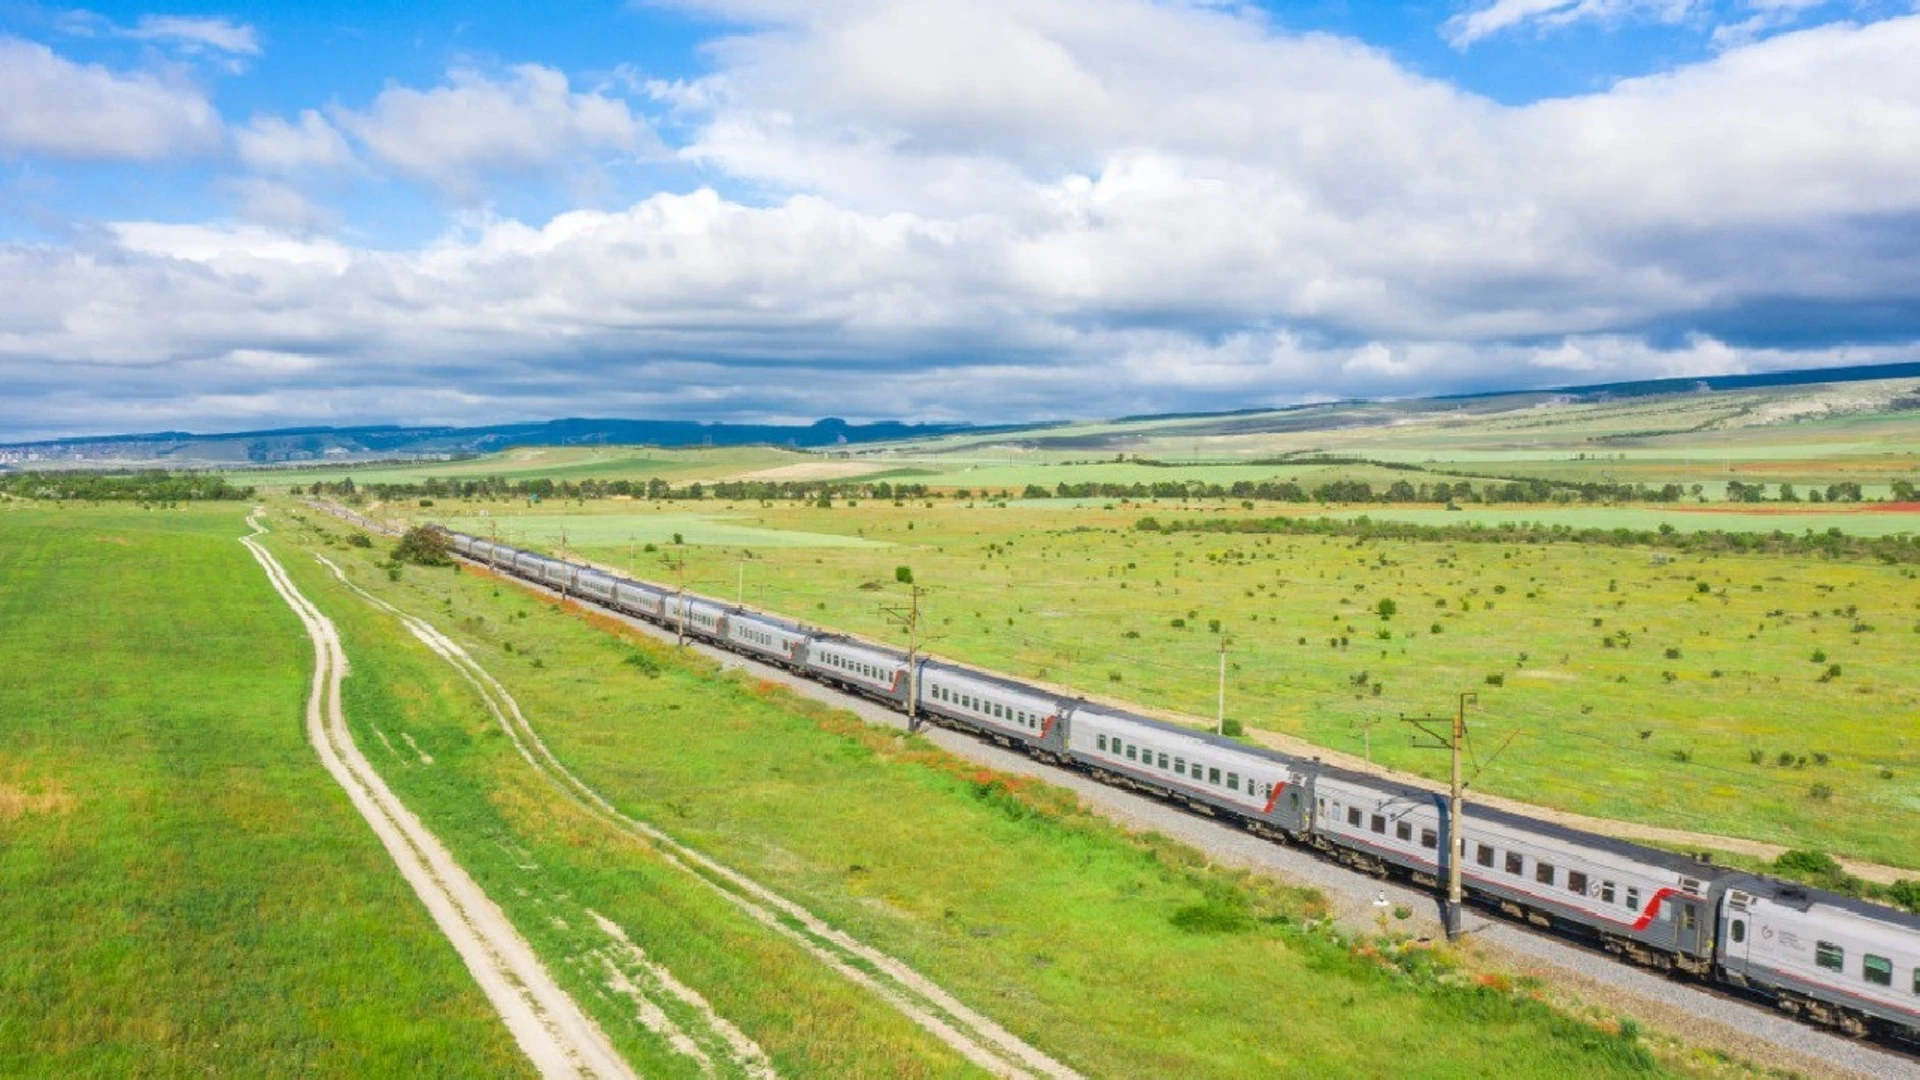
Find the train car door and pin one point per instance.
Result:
(1690, 932)
(1736, 925)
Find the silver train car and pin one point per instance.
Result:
(1825, 958)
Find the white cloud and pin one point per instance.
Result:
(454, 136)
(275, 205)
(196, 34)
(272, 144)
(1003, 209)
(54, 107)
(1501, 15)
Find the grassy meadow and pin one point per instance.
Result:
(1695, 692)
(1119, 955)
(185, 890)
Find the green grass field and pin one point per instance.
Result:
(185, 890)
(1122, 956)
(1627, 692)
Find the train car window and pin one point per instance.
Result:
(1543, 873)
(1633, 897)
(1916, 981)
(1738, 931)
(1429, 838)
(1830, 956)
(1180, 766)
(1213, 776)
(1878, 970)
(1353, 815)
(1133, 752)
(1378, 823)
(1606, 891)
(1163, 761)
(1484, 856)
(1403, 830)
(1516, 863)
(1577, 882)
(1103, 742)
(1689, 919)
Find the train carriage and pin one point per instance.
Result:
(1834, 959)
(594, 585)
(764, 635)
(635, 598)
(1007, 711)
(866, 669)
(697, 616)
(1209, 772)
(1654, 906)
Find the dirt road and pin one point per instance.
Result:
(556, 1035)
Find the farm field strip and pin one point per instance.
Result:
(974, 1035)
(546, 1022)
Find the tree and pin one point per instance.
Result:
(422, 546)
(1387, 608)
(903, 575)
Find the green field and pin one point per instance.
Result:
(552, 462)
(1601, 723)
(1121, 956)
(185, 889)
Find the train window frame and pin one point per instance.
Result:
(1632, 898)
(1213, 776)
(1180, 766)
(1403, 830)
(1233, 781)
(1877, 970)
(1689, 917)
(1606, 892)
(1377, 823)
(1485, 855)
(1102, 740)
(1737, 931)
(1430, 839)
(1163, 761)
(1545, 873)
(1516, 864)
(1133, 751)
(1353, 816)
(1830, 956)
(1577, 882)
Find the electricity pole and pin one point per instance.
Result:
(566, 570)
(1220, 698)
(909, 617)
(679, 565)
(1453, 742)
(493, 525)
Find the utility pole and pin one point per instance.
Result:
(909, 617)
(1366, 737)
(679, 565)
(1453, 742)
(566, 569)
(494, 525)
(1220, 698)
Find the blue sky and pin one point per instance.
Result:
(996, 210)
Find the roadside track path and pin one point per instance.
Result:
(560, 1040)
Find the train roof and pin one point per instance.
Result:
(1670, 860)
(1803, 897)
(788, 625)
(846, 642)
(1208, 737)
(1001, 681)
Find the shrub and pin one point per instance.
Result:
(1178, 624)
(422, 547)
(1819, 656)
(1232, 727)
(1387, 608)
(1756, 756)
(1673, 653)
(1701, 586)
(903, 575)
(1496, 679)
(645, 662)
(359, 540)
(1820, 792)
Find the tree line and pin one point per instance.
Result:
(497, 487)
(145, 487)
(1832, 543)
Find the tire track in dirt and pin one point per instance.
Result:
(560, 1040)
(975, 1036)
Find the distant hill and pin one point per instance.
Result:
(346, 444)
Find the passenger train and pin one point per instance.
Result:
(1827, 958)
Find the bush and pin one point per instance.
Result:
(1387, 608)
(359, 540)
(645, 662)
(903, 575)
(1496, 679)
(423, 547)
(1232, 727)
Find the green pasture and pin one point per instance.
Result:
(552, 462)
(610, 528)
(1120, 955)
(186, 891)
(1864, 520)
(1663, 725)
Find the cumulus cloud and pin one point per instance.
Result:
(454, 136)
(276, 145)
(51, 106)
(1002, 210)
